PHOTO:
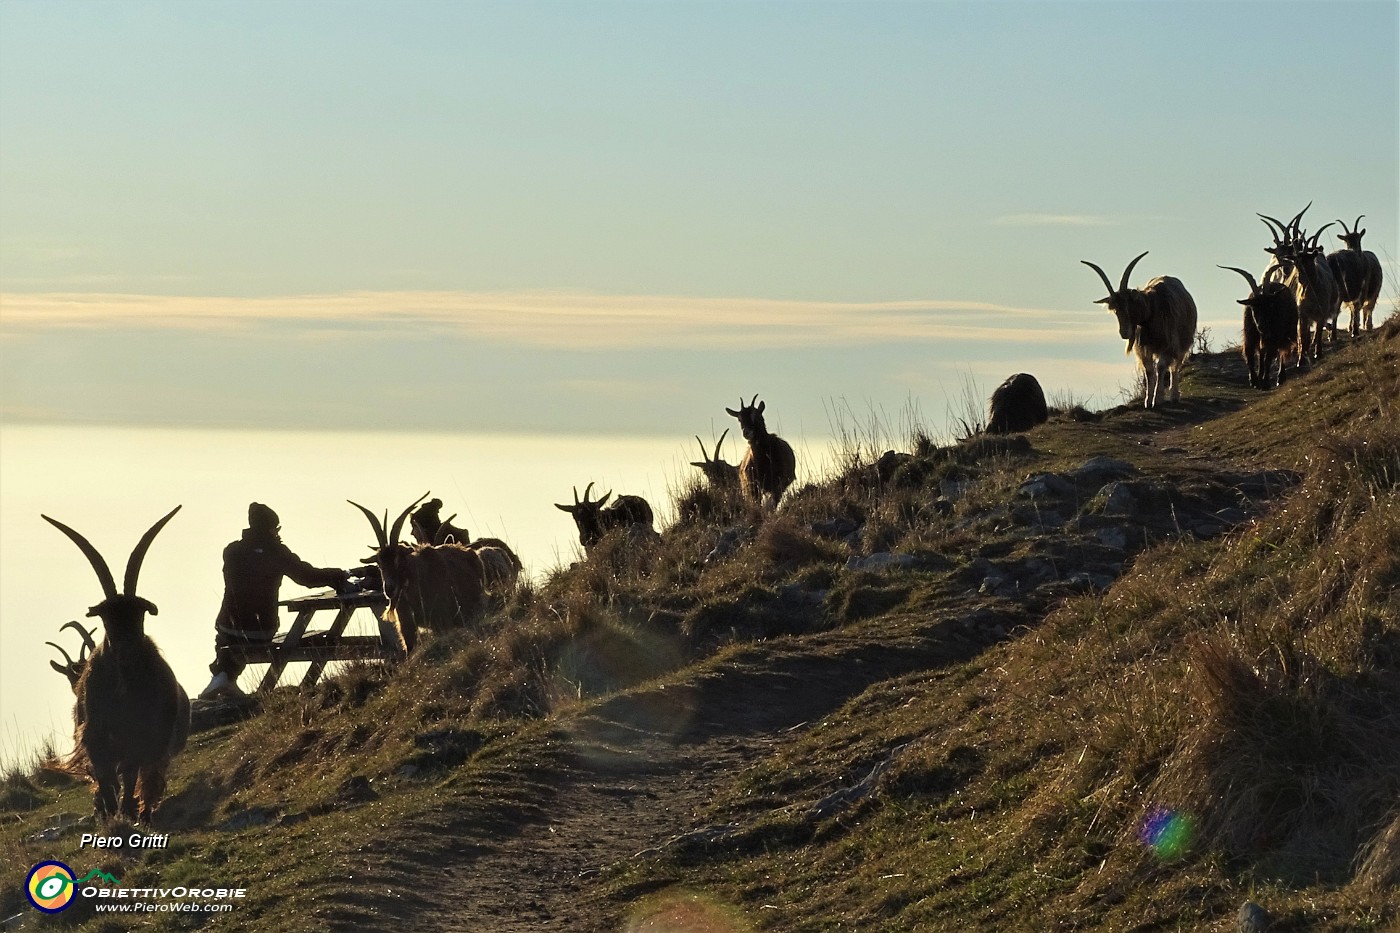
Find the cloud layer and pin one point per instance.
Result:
(563, 320)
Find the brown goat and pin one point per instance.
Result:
(1159, 322)
(594, 521)
(132, 716)
(428, 586)
(769, 466)
(501, 564)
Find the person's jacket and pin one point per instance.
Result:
(254, 566)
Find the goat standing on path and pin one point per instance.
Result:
(1159, 322)
(1270, 329)
(132, 714)
(1358, 275)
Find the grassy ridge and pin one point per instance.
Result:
(1248, 685)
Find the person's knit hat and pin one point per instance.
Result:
(262, 518)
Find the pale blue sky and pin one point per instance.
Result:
(924, 162)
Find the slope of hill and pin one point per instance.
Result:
(1127, 671)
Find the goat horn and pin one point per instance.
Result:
(1357, 226)
(1129, 271)
(398, 522)
(719, 442)
(133, 564)
(373, 523)
(71, 662)
(1312, 242)
(1106, 283)
(104, 575)
(1293, 224)
(586, 490)
(703, 452)
(88, 643)
(1253, 285)
(754, 399)
(1280, 235)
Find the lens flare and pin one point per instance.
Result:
(1167, 832)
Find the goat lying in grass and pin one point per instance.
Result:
(1159, 322)
(594, 521)
(132, 716)
(1270, 329)
(723, 476)
(769, 466)
(428, 586)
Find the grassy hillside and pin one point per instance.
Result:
(1127, 671)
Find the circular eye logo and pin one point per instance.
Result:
(50, 887)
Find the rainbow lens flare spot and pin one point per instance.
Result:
(50, 886)
(1167, 833)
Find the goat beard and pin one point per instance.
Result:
(1132, 339)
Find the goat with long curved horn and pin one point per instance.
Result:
(131, 715)
(1159, 322)
(1358, 276)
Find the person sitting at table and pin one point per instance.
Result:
(254, 566)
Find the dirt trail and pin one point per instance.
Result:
(646, 763)
(644, 766)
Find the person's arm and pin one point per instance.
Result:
(299, 571)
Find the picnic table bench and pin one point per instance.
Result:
(322, 647)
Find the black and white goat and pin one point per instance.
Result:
(1159, 322)
(132, 716)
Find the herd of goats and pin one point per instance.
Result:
(1303, 290)
(132, 717)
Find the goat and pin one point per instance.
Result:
(1018, 404)
(428, 586)
(1159, 322)
(722, 475)
(71, 669)
(502, 568)
(428, 528)
(769, 466)
(132, 716)
(594, 521)
(1358, 275)
(1270, 329)
(1308, 276)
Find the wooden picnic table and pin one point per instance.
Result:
(322, 647)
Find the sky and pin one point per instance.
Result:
(619, 217)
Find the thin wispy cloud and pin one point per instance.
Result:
(1053, 220)
(560, 320)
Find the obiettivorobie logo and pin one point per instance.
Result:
(51, 886)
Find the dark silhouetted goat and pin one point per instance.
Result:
(1358, 275)
(594, 521)
(428, 586)
(1018, 404)
(769, 466)
(722, 475)
(71, 669)
(1270, 329)
(132, 716)
(1159, 322)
